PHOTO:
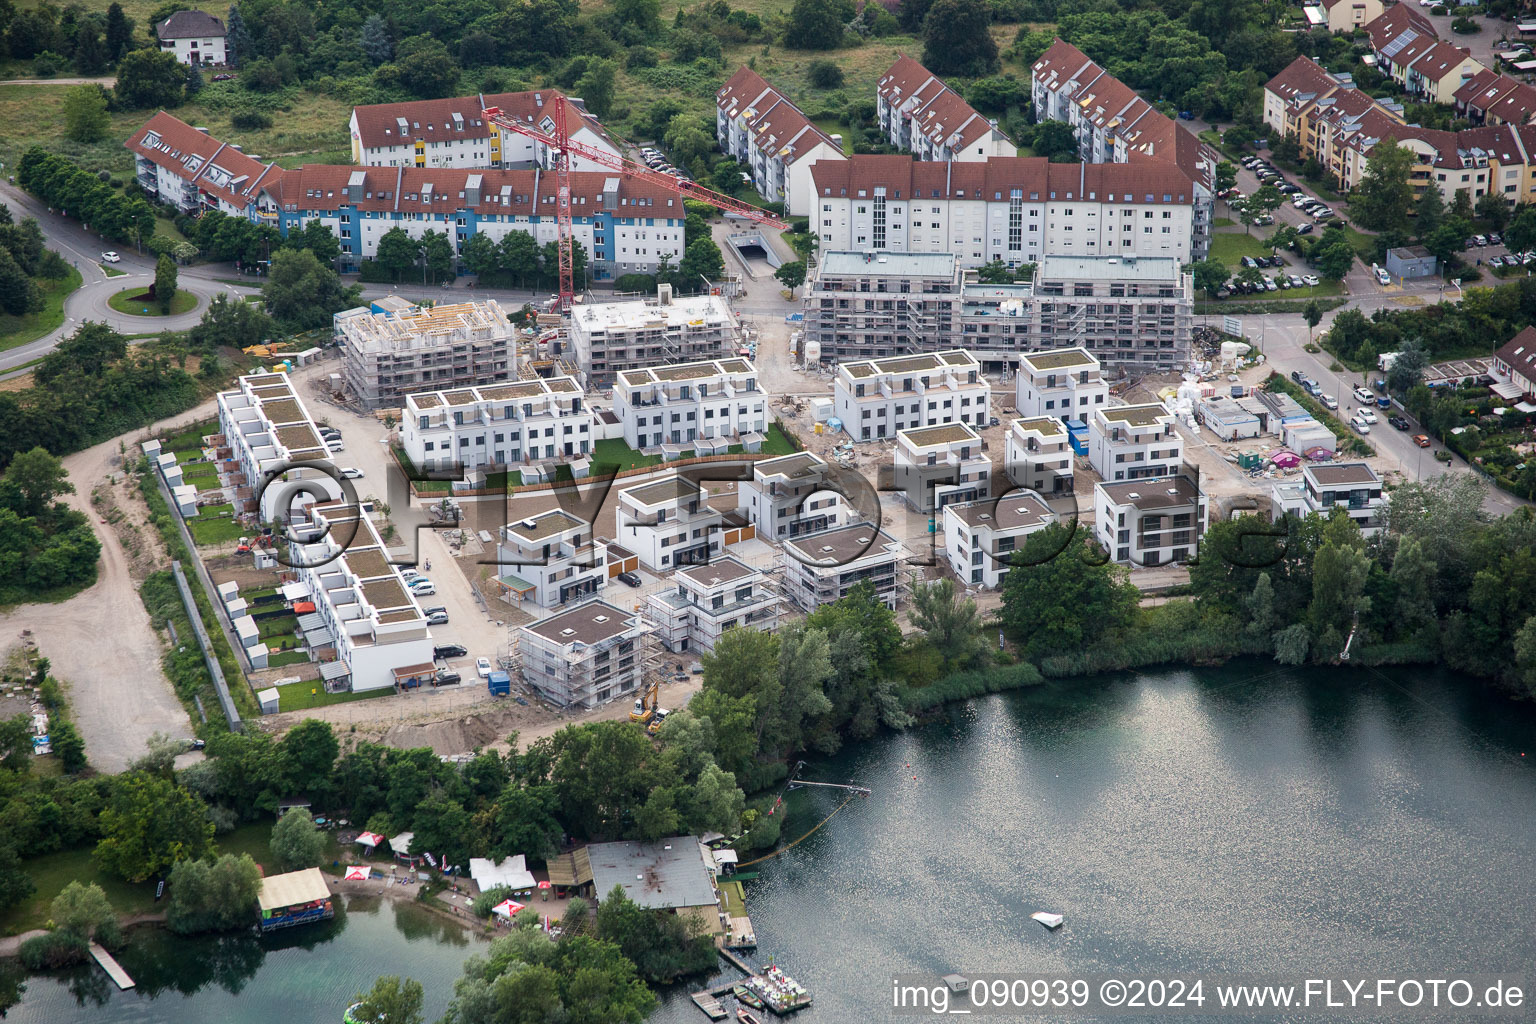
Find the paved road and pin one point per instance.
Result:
(107, 80)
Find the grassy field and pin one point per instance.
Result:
(207, 532)
(18, 330)
(311, 694)
(612, 450)
(52, 872)
(1229, 247)
(125, 301)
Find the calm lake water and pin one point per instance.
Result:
(1240, 820)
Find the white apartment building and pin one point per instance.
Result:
(938, 466)
(611, 337)
(760, 128)
(1131, 311)
(550, 559)
(195, 37)
(1134, 442)
(1150, 522)
(365, 614)
(1005, 208)
(584, 656)
(454, 132)
(981, 536)
(822, 567)
(668, 523)
(501, 425)
(876, 398)
(1066, 384)
(919, 113)
(1038, 455)
(790, 496)
(710, 599)
(1353, 486)
(677, 404)
(387, 355)
(265, 431)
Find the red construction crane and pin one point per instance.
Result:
(563, 147)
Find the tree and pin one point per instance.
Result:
(119, 32)
(19, 294)
(375, 41)
(301, 293)
(149, 78)
(957, 38)
(1382, 199)
(396, 252)
(686, 138)
(148, 825)
(1226, 175)
(319, 239)
(701, 263)
(1444, 242)
(90, 53)
(310, 749)
(165, 283)
(1339, 572)
(82, 910)
(15, 884)
(68, 744)
(1492, 208)
(596, 86)
(479, 255)
(237, 40)
(16, 743)
(1209, 275)
(1266, 199)
(1244, 211)
(1429, 212)
(1520, 236)
(518, 255)
(997, 94)
(1414, 573)
(658, 944)
(791, 275)
(825, 74)
(1312, 312)
(1334, 259)
(1461, 206)
(951, 623)
(229, 322)
(1292, 644)
(1062, 595)
(85, 113)
(813, 25)
(296, 842)
(33, 482)
(208, 896)
(438, 255)
(424, 68)
(391, 1001)
(1525, 656)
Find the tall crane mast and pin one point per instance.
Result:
(557, 137)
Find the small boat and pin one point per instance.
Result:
(747, 996)
(745, 1015)
(1051, 921)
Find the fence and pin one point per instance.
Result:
(209, 658)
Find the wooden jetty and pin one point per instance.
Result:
(780, 993)
(707, 1002)
(112, 967)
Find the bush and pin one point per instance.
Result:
(52, 951)
(636, 283)
(250, 120)
(486, 900)
(825, 74)
(964, 685)
(1465, 25)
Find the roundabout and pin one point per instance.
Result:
(135, 301)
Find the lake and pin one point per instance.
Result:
(1249, 819)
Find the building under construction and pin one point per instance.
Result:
(613, 336)
(392, 349)
(586, 655)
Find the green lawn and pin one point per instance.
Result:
(613, 450)
(18, 330)
(1223, 222)
(286, 658)
(311, 694)
(1229, 248)
(52, 871)
(776, 442)
(213, 531)
(125, 301)
(113, 271)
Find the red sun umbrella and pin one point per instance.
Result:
(359, 873)
(544, 884)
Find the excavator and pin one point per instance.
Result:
(645, 706)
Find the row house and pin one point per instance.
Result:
(821, 568)
(716, 399)
(1409, 52)
(367, 628)
(669, 523)
(1489, 97)
(455, 132)
(1513, 369)
(981, 537)
(1133, 442)
(760, 128)
(1006, 208)
(1066, 384)
(584, 656)
(1353, 487)
(1150, 522)
(609, 338)
(790, 496)
(938, 466)
(922, 115)
(1349, 15)
(1038, 455)
(709, 599)
(1115, 125)
(266, 432)
(550, 559)
(515, 426)
(626, 224)
(1130, 311)
(878, 398)
(388, 353)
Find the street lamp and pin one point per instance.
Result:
(423, 251)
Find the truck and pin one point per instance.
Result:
(499, 684)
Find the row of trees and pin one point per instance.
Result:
(25, 262)
(44, 544)
(90, 40)
(66, 187)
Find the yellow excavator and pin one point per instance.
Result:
(645, 707)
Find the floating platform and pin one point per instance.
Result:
(709, 1004)
(780, 993)
(112, 967)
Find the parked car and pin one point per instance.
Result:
(1470, 243)
(1495, 261)
(1249, 261)
(1399, 422)
(1364, 394)
(483, 667)
(1361, 427)
(437, 619)
(110, 257)
(1329, 402)
(1270, 286)
(1310, 280)
(629, 579)
(1282, 281)
(434, 610)
(1369, 415)
(224, 77)
(423, 588)
(446, 677)
(1422, 440)
(1263, 220)
(1479, 240)
(1304, 229)
(1298, 376)
(1297, 281)
(408, 574)
(1382, 277)
(1495, 239)
(348, 473)
(445, 651)
(334, 446)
